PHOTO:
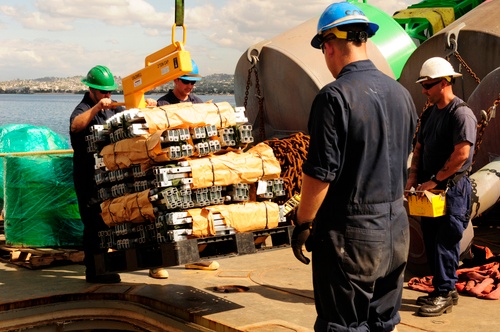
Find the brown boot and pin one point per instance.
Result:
(159, 273)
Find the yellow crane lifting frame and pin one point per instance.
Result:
(160, 67)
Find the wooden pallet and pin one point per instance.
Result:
(192, 250)
(36, 258)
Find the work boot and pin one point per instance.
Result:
(159, 273)
(208, 265)
(436, 306)
(421, 300)
(111, 278)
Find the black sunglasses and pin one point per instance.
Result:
(104, 92)
(187, 81)
(327, 39)
(428, 86)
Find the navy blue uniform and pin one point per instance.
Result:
(361, 127)
(439, 133)
(170, 98)
(83, 176)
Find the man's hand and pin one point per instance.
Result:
(105, 103)
(429, 185)
(150, 102)
(300, 235)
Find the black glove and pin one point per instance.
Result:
(299, 237)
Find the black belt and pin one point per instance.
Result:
(452, 181)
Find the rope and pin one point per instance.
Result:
(147, 151)
(34, 153)
(220, 115)
(166, 116)
(139, 207)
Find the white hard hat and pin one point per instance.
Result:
(436, 67)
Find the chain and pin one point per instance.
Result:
(249, 79)
(419, 122)
(262, 128)
(475, 198)
(291, 152)
(484, 117)
(261, 114)
(485, 120)
(466, 66)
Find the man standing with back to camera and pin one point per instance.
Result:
(441, 159)
(94, 109)
(361, 127)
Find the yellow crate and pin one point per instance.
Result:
(432, 204)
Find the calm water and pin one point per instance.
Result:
(53, 110)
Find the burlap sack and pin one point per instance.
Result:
(258, 163)
(135, 208)
(243, 217)
(188, 114)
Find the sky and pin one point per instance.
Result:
(65, 38)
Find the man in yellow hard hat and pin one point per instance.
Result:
(94, 109)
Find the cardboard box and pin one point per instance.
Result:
(432, 204)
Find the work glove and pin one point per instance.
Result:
(300, 235)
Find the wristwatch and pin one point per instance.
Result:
(436, 181)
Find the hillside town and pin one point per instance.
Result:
(214, 84)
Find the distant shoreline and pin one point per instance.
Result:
(114, 93)
(215, 84)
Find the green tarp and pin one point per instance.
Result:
(39, 202)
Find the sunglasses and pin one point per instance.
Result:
(186, 82)
(428, 86)
(327, 39)
(104, 92)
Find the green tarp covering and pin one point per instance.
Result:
(39, 201)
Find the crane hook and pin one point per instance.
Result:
(452, 39)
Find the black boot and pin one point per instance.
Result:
(421, 300)
(111, 278)
(436, 306)
(91, 275)
(90, 268)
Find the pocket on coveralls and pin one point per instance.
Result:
(363, 250)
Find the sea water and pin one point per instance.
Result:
(53, 110)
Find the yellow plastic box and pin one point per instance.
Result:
(432, 204)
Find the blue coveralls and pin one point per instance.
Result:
(361, 127)
(85, 185)
(440, 131)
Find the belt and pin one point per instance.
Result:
(452, 181)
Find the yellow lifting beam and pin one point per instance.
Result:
(161, 67)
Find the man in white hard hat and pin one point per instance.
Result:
(361, 127)
(441, 160)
